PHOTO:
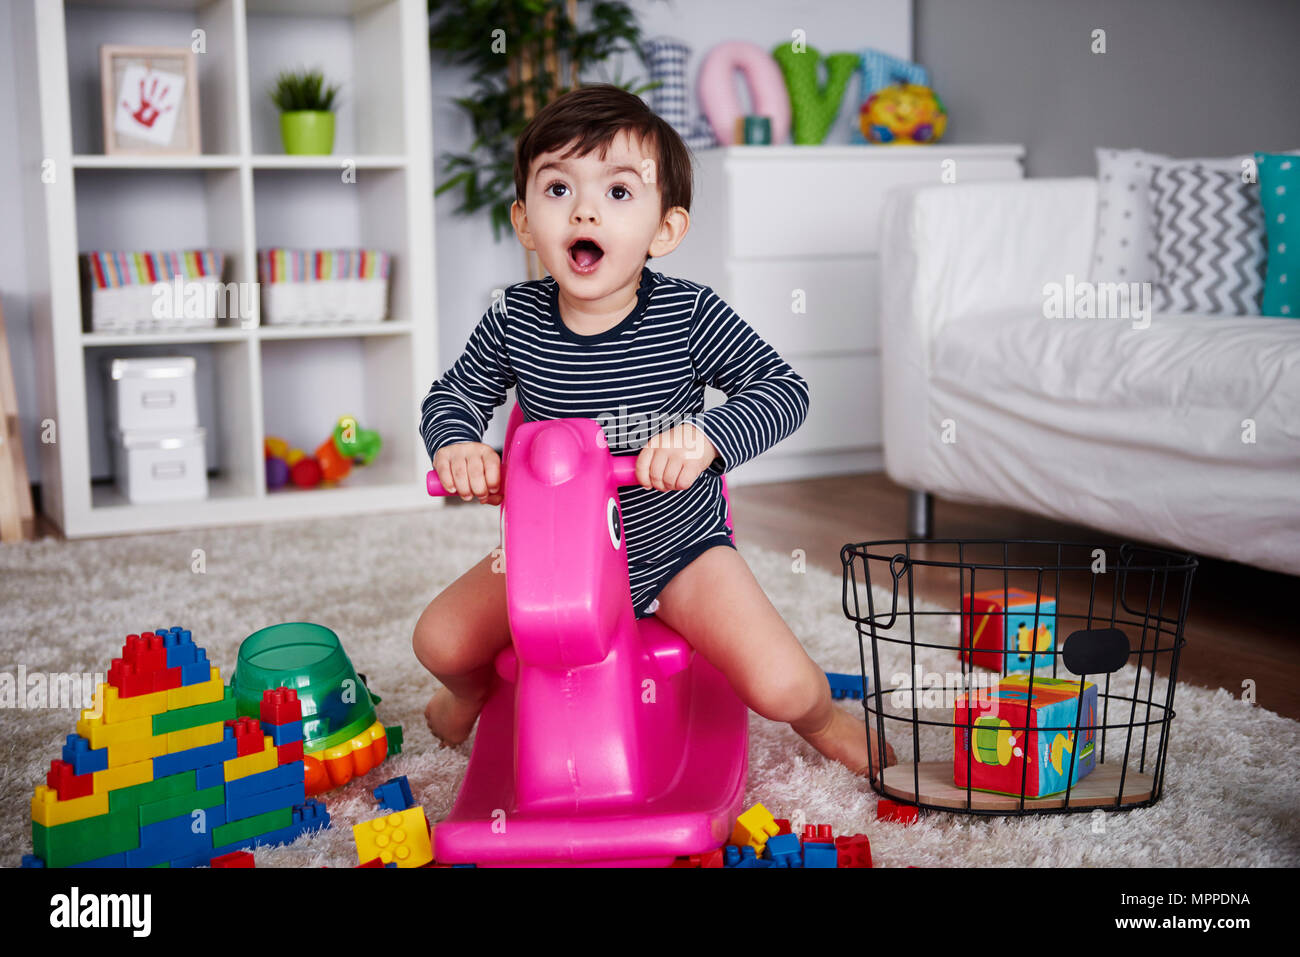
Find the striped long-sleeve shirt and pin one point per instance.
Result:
(641, 377)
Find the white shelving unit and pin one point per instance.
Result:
(239, 195)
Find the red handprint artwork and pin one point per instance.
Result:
(148, 110)
(148, 104)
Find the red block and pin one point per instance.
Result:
(129, 683)
(692, 861)
(248, 736)
(853, 851)
(289, 753)
(166, 679)
(67, 784)
(145, 652)
(888, 810)
(280, 706)
(783, 826)
(377, 862)
(234, 859)
(715, 858)
(817, 834)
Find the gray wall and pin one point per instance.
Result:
(1184, 77)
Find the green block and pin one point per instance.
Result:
(197, 715)
(163, 864)
(87, 839)
(394, 735)
(182, 804)
(251, 826)
(151, 791)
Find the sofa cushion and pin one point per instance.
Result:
(1187, 384)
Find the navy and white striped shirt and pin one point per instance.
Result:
(641, 377)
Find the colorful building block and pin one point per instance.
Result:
(289, 753)
(66, 784)
(785, 850)
(887, 810)
(198, 671)
(280, 706)
(255, 763)
(820, 855)
(754, 827)
(195, 737)
(150, 792)
(182, 805)
(280, 776)
(49, 811)
(31, 860)
(237, 831)
(202, 692)
(395, 794)
(1008, 624)
(286, 733)
(848, 686)
(853, 850)
(402, 837)
(101, 734)
(133, 752)
(113, 708)
(86, 839)
(125, 776)
(250, 805)
(817, 834)
(209, 775)
(181, 719)
(249, 738)
(394, 734)
(1011, 721)
(234, 859)
(84, 760)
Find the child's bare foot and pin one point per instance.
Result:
(450, 718)
(844, 739)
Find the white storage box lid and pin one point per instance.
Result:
(160, 438)
(152, 367)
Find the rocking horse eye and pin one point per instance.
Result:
(614, 523)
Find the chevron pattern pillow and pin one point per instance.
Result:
(1209, 241)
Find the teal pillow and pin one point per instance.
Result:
(1279, 194)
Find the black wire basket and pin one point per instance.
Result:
(989, 709)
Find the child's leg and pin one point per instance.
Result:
(717, 605)
(457, 638)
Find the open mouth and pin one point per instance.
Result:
(585, 254)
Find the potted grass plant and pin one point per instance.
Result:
(306, 104)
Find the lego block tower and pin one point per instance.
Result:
(161, 771)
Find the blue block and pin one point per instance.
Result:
(820, 855)
(252, 805)
(311, 815)
(77, 752)
(113, 860)
(199, 859)
(209, 777)
(192, 759)
(278, 777)
(286, 733)
(395, 794)
(31, 860)
(784, 850)
(181, 649)
(464, 865)
(175, 838)
(197, 671)
(845, 685)
(730, 855)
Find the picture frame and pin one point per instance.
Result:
(150, 100)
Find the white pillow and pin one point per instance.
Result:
(1126, 243)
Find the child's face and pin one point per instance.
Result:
(612, 202)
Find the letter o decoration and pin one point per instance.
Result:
(767, 91)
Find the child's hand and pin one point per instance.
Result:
(470, 469)
(674, 459)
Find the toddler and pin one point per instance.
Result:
(602, 184)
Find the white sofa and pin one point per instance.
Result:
(1144, 433)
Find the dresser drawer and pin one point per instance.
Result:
(843, 406)
(813, 206)
(841, 302)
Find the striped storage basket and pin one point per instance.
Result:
(302, 286)
(148, 291)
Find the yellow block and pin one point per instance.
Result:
(101, 734)
(754, 827)
(113, 708)
(203, 693)
(49, 811)
(129, 752)
(265, 760)
(402, 837)
(123, 776)
(204, 734)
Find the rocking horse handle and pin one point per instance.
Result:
(623, 467)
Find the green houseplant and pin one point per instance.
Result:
(306, 104)
(524, 54)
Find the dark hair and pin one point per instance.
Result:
(594, 115)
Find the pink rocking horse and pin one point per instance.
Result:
(606, 740)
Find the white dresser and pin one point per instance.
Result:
(789, 236)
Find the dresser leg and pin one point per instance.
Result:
(920, 514)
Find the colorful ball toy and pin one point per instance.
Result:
(331, 462)
(904, 113)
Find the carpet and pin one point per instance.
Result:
(1231, 781)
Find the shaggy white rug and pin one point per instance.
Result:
(1233, 769)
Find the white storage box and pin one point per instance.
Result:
(153, 291)
(307, 286)
(161, 466)
(153, 392)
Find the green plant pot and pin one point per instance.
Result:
(307, 132)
